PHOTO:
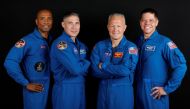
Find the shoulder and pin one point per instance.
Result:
(164, 39)
(24, 41)
(168, 42)
(102, 43)
(82, 44)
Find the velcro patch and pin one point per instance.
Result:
(172, 45)
(118, 54)
(43, 46)
(150, 48)
(20, 43)
(107, 54)
(62, 45)
(133, 50)
(82, 51)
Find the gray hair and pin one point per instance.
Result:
(116, 14)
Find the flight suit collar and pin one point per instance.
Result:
(68, 38)
(152, 37)
(121, 44)
(38, 35)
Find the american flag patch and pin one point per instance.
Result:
(133, 50)
(172, 45)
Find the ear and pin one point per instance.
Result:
(157, 22)
(36, 22)
(125, 27)
(63, 24)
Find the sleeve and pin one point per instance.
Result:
(13, 60)
(127, 66)
(71, 63)
(177, 62)
(95, 60)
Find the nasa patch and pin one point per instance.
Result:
(107, 54)
(20, 43)
(62, 45)
(75, 50)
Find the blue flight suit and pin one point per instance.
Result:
(161, 64)
(116, 74)
(32, 53)
(69, 66)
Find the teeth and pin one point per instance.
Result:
(147, 27)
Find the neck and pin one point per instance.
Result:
(74, 39)
(44, 34)
(115, 43)
(146, 36)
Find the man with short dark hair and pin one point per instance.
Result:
(69, 66)
(32, 51)
(161, 65)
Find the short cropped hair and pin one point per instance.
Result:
(116, 14)
(68, 14)
(41, 10)
(149, 10)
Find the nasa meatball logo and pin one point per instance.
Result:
(20, 43)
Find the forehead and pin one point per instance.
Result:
(71, 18)
(148, 15)
(116, 19)
(44, 13)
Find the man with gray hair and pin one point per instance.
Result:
(113, 62)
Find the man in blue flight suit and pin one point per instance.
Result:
(161, 66)
(113, 62)
(32, 52)
(69, 66)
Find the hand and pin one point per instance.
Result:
(157, 92)
(35, 87)
(100, 65)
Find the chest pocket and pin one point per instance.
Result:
(148, 50)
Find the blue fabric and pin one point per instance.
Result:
(32, 52)
(69, 66)
(162, 64)
(116, 75)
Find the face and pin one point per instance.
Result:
(71, 25)
(148, 24)
(116, 27)
(44, 21)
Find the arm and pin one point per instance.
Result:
(12, 64)
(74, 65)
(178, 64)
(126, 67)
(95, 60)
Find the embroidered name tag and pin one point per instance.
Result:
(150, 48)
